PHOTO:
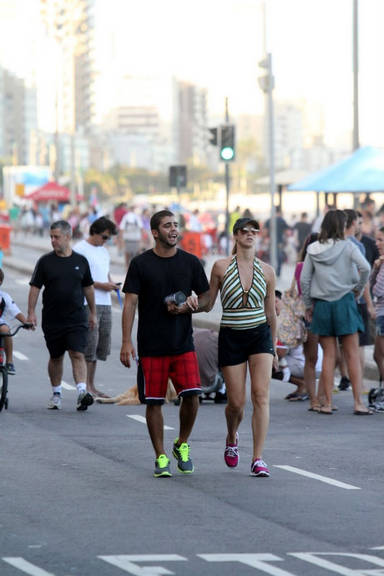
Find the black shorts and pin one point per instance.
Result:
(236, 346)
(75, 340)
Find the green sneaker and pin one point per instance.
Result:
(181, 453)
(162, 469)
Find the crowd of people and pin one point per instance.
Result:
(337, 293)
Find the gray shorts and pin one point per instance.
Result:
(99, 339)
(132, 246)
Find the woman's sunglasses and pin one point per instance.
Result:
(246, 230)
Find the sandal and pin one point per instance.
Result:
(299, 398)
(292, 396)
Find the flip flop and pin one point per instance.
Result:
(299, 398)
(292, 395)
(314, 409)
(363, 413)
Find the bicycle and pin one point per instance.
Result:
(3, 366)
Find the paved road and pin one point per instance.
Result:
(78, 497)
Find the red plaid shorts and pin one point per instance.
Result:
(154, 371)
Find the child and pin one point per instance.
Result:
(8, 309)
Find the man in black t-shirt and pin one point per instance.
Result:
(67, 279)
(164, 337)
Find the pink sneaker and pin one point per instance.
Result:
(231, 453)
(259, 468)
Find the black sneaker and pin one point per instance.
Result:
(220, 398)
(84, 400)
(11, 368)
(344, 383)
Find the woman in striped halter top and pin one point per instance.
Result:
(246, 339)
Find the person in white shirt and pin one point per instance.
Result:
(8, 311)
(130, 230)
(99, 339)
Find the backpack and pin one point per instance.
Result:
(291, 322)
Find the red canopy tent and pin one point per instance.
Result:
(51, 191)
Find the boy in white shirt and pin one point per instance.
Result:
(8, 311)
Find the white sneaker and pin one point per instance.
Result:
(54, 402)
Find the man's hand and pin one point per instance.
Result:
(32, 319)
(92, 321)
(127, 352)
(108, 286)
(190, 305)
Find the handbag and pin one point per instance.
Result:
(292, 329)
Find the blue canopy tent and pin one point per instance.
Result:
(361, 172)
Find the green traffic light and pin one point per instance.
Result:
(227, 153)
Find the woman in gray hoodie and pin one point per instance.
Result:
(333, 277)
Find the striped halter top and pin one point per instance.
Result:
(243, 309)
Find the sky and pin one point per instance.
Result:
(219, 43)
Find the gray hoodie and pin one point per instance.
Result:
(331, 270)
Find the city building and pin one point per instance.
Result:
(18, 118)
(190, 123)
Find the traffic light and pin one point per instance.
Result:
(213, 140)
(227, 143)
(178, 176)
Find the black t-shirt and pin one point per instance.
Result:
(63, 278)
(153, 278)
(371, 250)
(303, 230)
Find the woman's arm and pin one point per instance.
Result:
(305, 281)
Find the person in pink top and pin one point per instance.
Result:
(312, 343)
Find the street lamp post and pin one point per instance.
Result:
(266, 83)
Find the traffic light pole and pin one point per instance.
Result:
(271, 146)
(227, 189)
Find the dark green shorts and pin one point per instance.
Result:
(337, 318)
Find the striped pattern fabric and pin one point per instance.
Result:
(243, 310)
(378, 290)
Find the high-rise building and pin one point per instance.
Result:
(69, 23)
(18, 118)
(190, 122)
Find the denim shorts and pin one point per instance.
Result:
(380, 325)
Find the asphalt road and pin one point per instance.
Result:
(78, 497)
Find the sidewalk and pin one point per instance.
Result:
(204, 320)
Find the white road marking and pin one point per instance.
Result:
(27, 567)
(318, 477)
(378, 548)
(314, 558)
(127, 563)
(258, 561)
(142, 419)
(20, 355)
(67, 386)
